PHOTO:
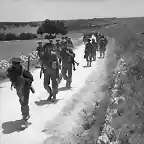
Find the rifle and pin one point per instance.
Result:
(31, 87)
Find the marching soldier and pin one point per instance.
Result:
(94, 49)
(51, 71)
(38, 49)
(51, 42)
(67, 56)
(70, 43)
(58, 49)
(88, 53)
(102, 48)
(62, 42)
(21, 79)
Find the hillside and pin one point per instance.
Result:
(70, 23)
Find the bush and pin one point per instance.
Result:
(22, 36)
(10, 36)
(2, 37)
(27, 36)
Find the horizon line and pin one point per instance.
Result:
(70, 19)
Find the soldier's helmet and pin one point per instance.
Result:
(39, 43)
(66, 37)
(57, 40)
(16, 59)
(48, 45)
(69, 38)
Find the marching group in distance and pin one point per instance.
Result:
(57, 62)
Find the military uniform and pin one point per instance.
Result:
(67, 56)
(102, 47)
(58, 49)
(21, 80)
(51, 71)
(38, 49)
(88, 53)
(70, 43)
(62, 42)
(51, 42)
(94, 49)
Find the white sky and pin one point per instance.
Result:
(35, 10)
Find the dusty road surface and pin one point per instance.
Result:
(51, 122)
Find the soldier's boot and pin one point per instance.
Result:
(87, 63)
(54, 98)
(25, 112)
(55, 92)
(50, 93)
(74, 68)
(68, 84)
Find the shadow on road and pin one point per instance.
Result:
(63, 89)
(13, 126)
(44, 102)
(100, 57)
(86, 66)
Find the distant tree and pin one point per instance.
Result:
(51, 28)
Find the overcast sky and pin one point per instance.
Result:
(35, 10)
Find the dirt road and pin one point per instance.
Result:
(51, 122)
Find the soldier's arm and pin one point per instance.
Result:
(7, 73)
(73, 54)
(27, 75)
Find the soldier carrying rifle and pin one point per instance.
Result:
(21, 79)
(50, 68)
(67, 57)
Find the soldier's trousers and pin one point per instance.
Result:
(23, 91)
(67, 72)
(89, 58)
(102, 53)
(94, 55)
(53, 78)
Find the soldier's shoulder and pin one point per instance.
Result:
(9, 69)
